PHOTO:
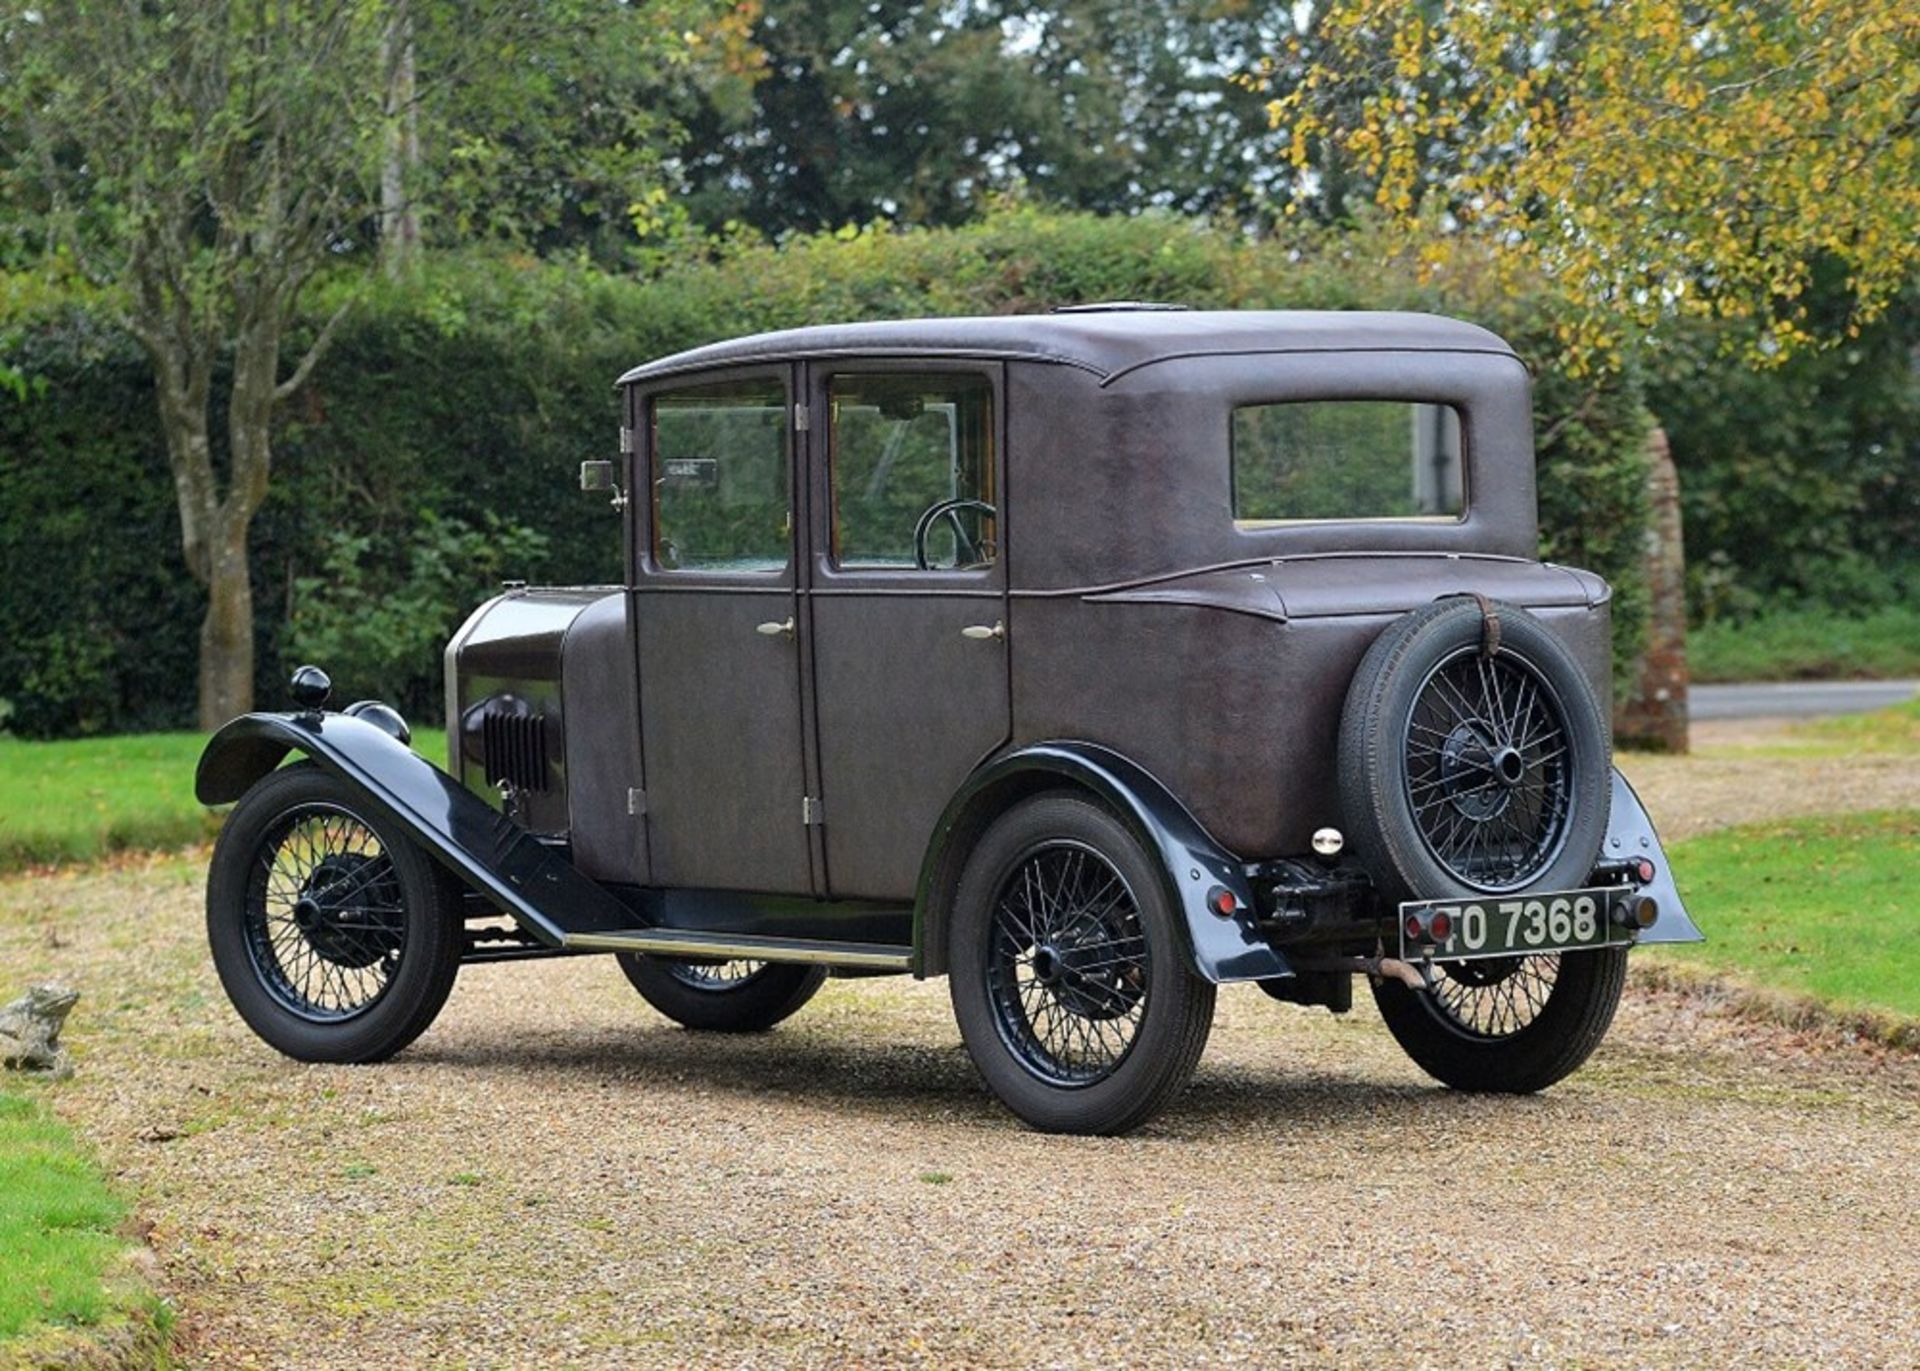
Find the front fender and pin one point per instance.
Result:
(1190, 862)
(523, 877)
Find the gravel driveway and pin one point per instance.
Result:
(553, 1175)
(1744, 771)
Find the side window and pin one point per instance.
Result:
(720, 478)
(911, 462)
(1346, 459)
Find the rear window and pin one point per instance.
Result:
(1346, 459)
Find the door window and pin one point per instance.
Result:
(721, 499)
(911, 462)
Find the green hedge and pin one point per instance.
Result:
(1798, 481)
(474, 393)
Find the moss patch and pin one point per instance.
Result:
(69, 1294)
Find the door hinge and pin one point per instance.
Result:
(799, 418)
(810, 811)
(636, 801)
(626, 439)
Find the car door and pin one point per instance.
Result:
(906, 598)
(716, 615)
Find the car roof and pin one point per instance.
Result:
(1107, 340)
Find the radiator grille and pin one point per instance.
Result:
(513, 749)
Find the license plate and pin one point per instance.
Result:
(1561, 921)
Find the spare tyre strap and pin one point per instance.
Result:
(1489, 625)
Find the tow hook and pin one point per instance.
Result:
(1413, 977)
(1378, 967)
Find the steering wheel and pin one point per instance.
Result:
(966, 549)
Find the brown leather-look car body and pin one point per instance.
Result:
(794, 763)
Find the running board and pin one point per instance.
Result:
(676, 942)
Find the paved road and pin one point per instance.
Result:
(1795, 699)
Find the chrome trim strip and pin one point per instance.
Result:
(450, 683)
(689, 943)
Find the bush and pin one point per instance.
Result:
(1801, 643)
(475, 392)
(1797, 481)
(98, 618)
(381, 622)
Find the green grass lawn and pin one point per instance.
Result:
(1824, 907)
(1896, 729)
(61, 1254)
(77, 800)
(1808, 644)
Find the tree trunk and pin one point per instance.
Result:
(399, 222)
(1654, 714)
(226, 634)
(213, 533)
(213, 525)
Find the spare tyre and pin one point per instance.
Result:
(1474, 757)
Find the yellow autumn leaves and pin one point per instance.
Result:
(1647, 157)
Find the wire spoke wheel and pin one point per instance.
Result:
(711, 975)
(1489, 777)
(1494, 997)
(1068, 963)
(325, 919)
(722, 994)
(1067, 971)
(336, 936)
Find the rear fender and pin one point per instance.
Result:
(1191, 864)
(1630, 834)
(523, 877)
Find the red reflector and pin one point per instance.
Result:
(1442, 927)
(1222, 902)
(1414, 928)
(1644, 870)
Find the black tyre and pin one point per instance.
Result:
(722, 996)
(1507, 1025)
(1068, 972)
(336, 937)
(1473, 762)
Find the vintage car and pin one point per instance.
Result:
(1088, 659)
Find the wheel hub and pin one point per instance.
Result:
(1079, 968)
(1476, 774)
(1068, 963)
(331, 913)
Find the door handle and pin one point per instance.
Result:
(774, 629)
(980, 633)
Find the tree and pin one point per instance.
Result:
(552, 131)
(920, 113)
(202, 162)
(1650, 157)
